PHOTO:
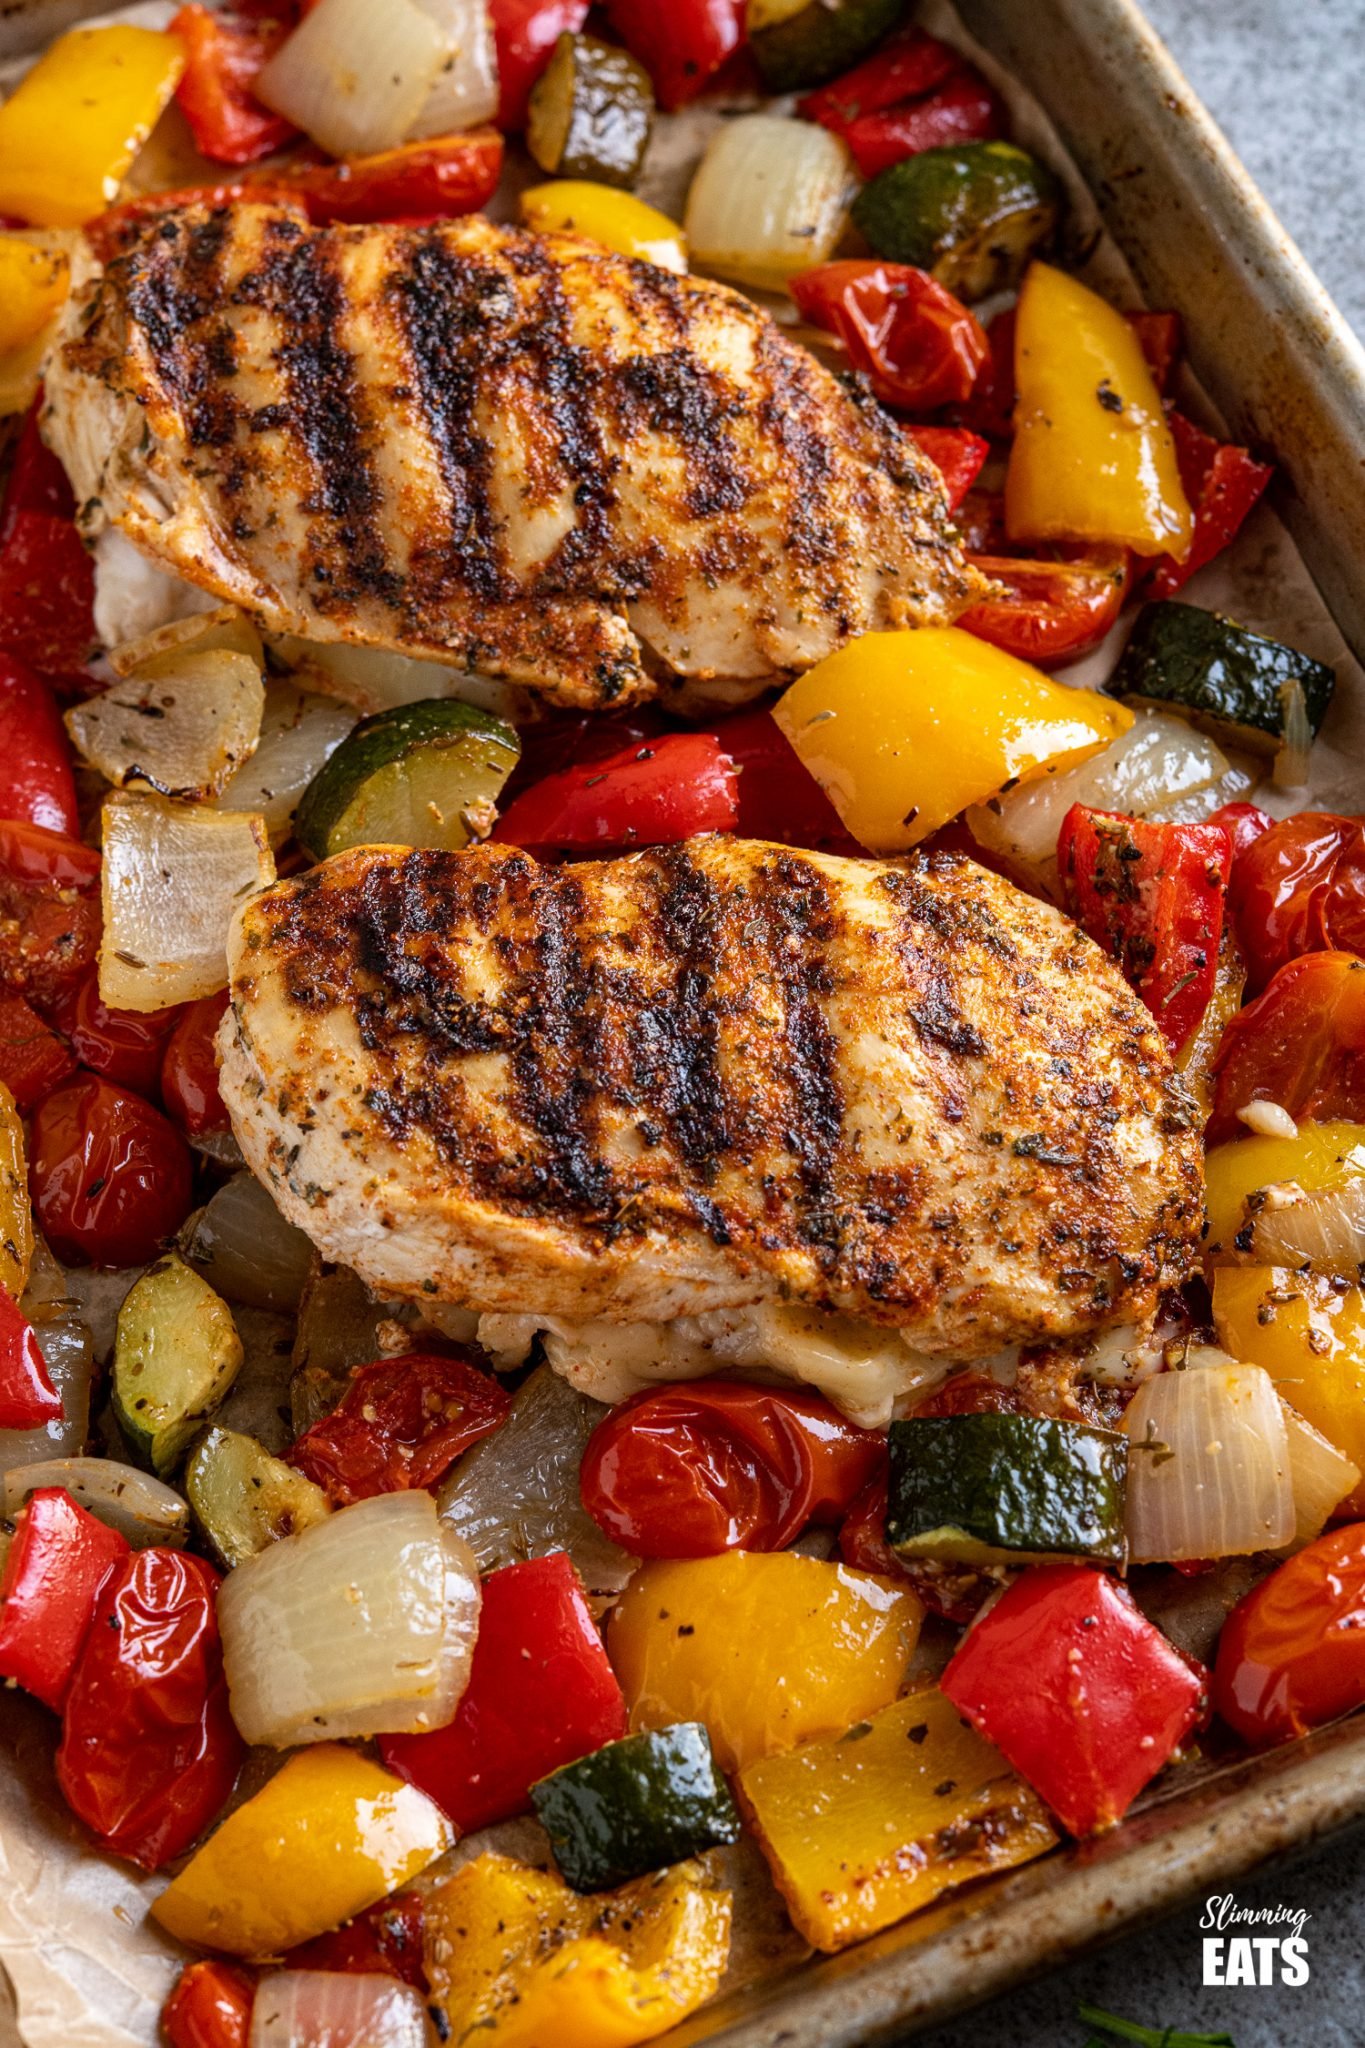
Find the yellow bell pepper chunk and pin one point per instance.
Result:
(16, 1216)
(861, 1830)
(71, 128)
(1309, 1334)
(514, 1956)
(904, 730)
(33, 283)
(1321, 1159)
(576, 206)
(330, 1834)
(767, 1649)
(1093, 457)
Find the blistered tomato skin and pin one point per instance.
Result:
(1300, 888)
(189, 1069)
(1292, 1653)
(125, 1046)
(110, 1176)
(210, 2007)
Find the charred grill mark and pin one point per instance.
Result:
(552, 1066)
(174, 284)
(799, 922)
(674, 1044)
(792, 415)
(675, 396)
(298, 282)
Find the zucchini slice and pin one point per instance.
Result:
(972, 214)
(424, 774)
(242, 1499)
(1233, 683)
(1006, 1489)
(803, 42)
(176, 1353)
(649, 1800)
(590, 113)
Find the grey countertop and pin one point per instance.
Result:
(1286, 79)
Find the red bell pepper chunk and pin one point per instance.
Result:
(908, 65)
(210, 2007)
(149, 1750)
(54, 1572)
(49, 910)
(1301, 1044)
(1085, 1697)
(223, 59)
(990, 408)
(682, 44)
(919, 345)
(1160, 336)
(1299, 887)
(47, 593)
(33, 1060)
(124, 1046)
(1049, 611)
(386, 1941)
(1153, 896)
(37, 481)
(28, 1398)
(957, 454)
(524, 35)
(36, 780)
(650, 794)
(1244, 825)
(401, 1423)
(1292, 1652)
(189, 1070)
(779, 798)
(541, 1694)
(1222, 483)
(965, 108)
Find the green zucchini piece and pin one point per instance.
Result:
(1006, 1489)
(176, 1353)
(1231, 682)
(242, 1499)
(424, 774)
(638, 1804)
(971, 213)
(797, 43)
(590, 113)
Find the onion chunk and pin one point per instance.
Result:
(174, 876)
(182, 724)
(769, 200)
(1209, 1465)
(336, 2009)
(356, 76)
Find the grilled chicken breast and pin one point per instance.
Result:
(711, 1075)
(513, 452)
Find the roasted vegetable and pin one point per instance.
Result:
(1232, 682)
(176, 1355)
(803, 42)
(243, 1500)
(1005, 1489)
(637, 1805)
(971, 214)
(1318, 1159)
(424, 774)
(1308, 1332)
(620, 221)
(16, 1217)
(181, 724)
(869, 1825)
(70, 129)
(769, 200)
(590, 113)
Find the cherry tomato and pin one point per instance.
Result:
(149, 1751)
(125, 1046)
(36, 781)
(681, 45)
(33, 1060)
(954, 1591)
(1244, 824)
(400, 1424)
(210, 2007)
(919, 346)
(1292, 1652)
(649, 794)
(49, 910)
(957, 455)
(189, 1072)
(110, 1176)
(1049, 611)
(387, 1941)
(1301, 1044)
(713, 1465)
(1299, 887)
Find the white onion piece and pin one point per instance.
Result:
(376, 678)
(361, 1625)
(336, 2009)
(1322, 1475)
(1145, 773)
(1325, 1231)
(203, 633)
(353, 76)
(466, 88)
(173, 877)
(300, 731)
(1208, 1466)
(134, 596)
(138, 1506)
(182, 723)
(245, 1248)
(1291, 761)
(769, 200)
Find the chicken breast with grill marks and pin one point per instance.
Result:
(711, 1075)
(516, 453)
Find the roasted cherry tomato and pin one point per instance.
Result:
(387, 1941)
(189, 1070)
(916, 343)
(110, 1176)
(49, 910)
(47, 593)
(682, 45)
(1292, 1652)
(1050, 611)
(37, 481)
(649, 794)
(954, 1591)
(210, 2007)
(125, 1046)
(401, 1423)
(1160, 337)
(1244, 825)
(957, 455)
(149, 1751)
(33, 1060)
(1299, 887)
(713, 1465)
(1300, 1044)
(223, 59)
(36, 781)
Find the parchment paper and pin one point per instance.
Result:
(87, 1967)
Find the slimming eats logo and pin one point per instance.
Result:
(1253, 1944)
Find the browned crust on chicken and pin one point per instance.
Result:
(709, 1075)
